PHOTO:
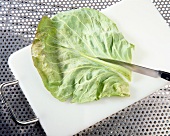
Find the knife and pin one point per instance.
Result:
(140, 69)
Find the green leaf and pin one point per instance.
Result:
(64, 52)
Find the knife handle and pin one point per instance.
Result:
(164, 75)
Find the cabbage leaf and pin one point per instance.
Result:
(65, 51)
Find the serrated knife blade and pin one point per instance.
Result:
(140, 69)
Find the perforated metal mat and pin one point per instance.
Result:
(18, 21)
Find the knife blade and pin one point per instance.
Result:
(140, 69)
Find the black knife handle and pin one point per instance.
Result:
(164, 75)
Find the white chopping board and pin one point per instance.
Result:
(143, 26)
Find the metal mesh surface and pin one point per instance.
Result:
(150, 117)
(18, 21)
